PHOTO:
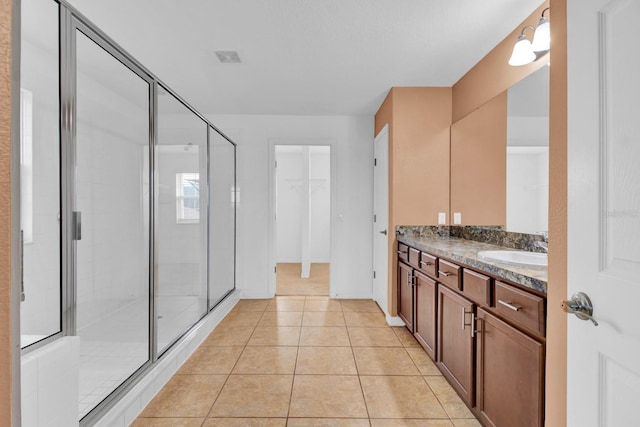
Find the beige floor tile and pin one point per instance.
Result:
(410, 423)
(211, 360)
(185, 396)
(467, 423)
(323, 318)
(425, 365)
(324, 304)
(448, 397)
(275, 336)
(267, 360)
(359, 305)
(373, 337)
(167, 422)
(320, 336)
(252, 304)
(224, 335)
(405, 337)
(337, 396)
(241, 318)
(365, 319)
(254, 396)
(400, 397)
(245, 422)
(384, 361)
(281, 318)
(327, 422)
(325, 360)
(286, 304)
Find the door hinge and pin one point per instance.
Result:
(374, 218)
(375, 162)
(374, 274)
(275, 269)
(275, 165)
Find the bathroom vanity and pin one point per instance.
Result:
(481, 321)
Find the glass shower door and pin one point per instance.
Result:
(112, 211)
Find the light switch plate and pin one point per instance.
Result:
(457, 218)
(442, 218)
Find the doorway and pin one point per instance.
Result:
(302, 188)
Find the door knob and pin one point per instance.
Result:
(383, 232)
(581, 306)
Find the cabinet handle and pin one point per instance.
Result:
(473, 325)
(464, 318)
(402, 252)
(509, 305)
(445, 273)
(477, 331)
(426, 263)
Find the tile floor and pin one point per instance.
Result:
(307, 361)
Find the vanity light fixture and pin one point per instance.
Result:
(522, 51)
(525, 52)
(542, 36)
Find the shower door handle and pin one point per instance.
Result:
(76, 229)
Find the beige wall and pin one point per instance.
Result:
(6, 356)
(479, 164)
(556, 401)
(419, 120)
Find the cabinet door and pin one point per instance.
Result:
(510, 375)
(405, 294)
(425, 313)
(455, 342)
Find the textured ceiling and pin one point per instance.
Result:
(317, 57)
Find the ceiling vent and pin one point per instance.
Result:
(228, 56)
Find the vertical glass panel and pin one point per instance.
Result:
(40, 171)
(222, 217)
(182, 219)
(112, 188)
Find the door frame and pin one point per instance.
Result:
(273, 142)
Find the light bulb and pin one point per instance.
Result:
(542, 36)
(522, 52)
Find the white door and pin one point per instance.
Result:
(604, 211)
(381, 217)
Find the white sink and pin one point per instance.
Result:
(515, 257)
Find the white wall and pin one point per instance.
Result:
(351, 140)
(527, 189)
(289, 204)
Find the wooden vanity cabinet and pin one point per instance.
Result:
(510, 375)
(426, 295)
(455, 356)
(405, 294)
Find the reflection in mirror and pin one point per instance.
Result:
(528, 154)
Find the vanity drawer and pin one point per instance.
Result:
(414, 257)
(476, 287)
(428, 264)
(450, 274)
(522, 307)
(403, 252)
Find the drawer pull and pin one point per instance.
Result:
(426, 263)
(402, 252)
(509, 305)
(445, 273)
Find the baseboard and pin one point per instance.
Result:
(255, 294)
(394, 320)
(125, 411)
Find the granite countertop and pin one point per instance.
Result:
(466, 252)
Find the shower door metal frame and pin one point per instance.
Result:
(70, 21)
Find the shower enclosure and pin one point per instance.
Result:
(128, 204)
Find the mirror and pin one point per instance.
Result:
(499, 159)
(528, 153)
